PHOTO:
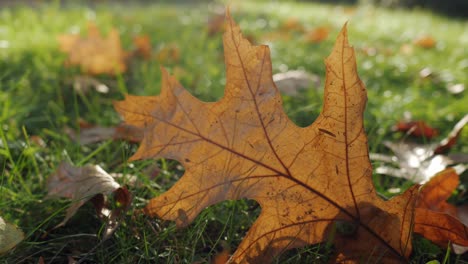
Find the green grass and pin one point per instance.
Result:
(37, 98)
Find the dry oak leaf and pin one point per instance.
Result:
(95, 54)
(437, 220)
(244, 146)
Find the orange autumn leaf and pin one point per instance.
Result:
(94, 53)
(435, 219)
(292, 24)
(306, 180)
(427, 42)
(143, 46)
(318, 34)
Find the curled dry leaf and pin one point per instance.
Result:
(433, 212)
(10, 236)
(448, 142)
(414, 162)
(79, 184)
(418, 162)
(93, 134)
(306, 180)
(94, 53)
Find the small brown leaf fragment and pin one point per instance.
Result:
(92, 134)
(95, 54)
(112, 217)
(143, 46)
(244, 146)
(292, 24)
(79, 184)
(221, 258)
(417, 128)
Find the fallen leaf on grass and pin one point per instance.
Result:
(416, 129)
(419, 162)
(80, 184)
(93, 134)
(94, 53)
(143, 46)
(415, 162)
(291, 24)
(292, 82)
(10, 236)
(432, 207)
(448, 142)
(306, 180)
(427, 42)
(317, 35)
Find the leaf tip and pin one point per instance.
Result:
(344, 32)
(228, 12)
